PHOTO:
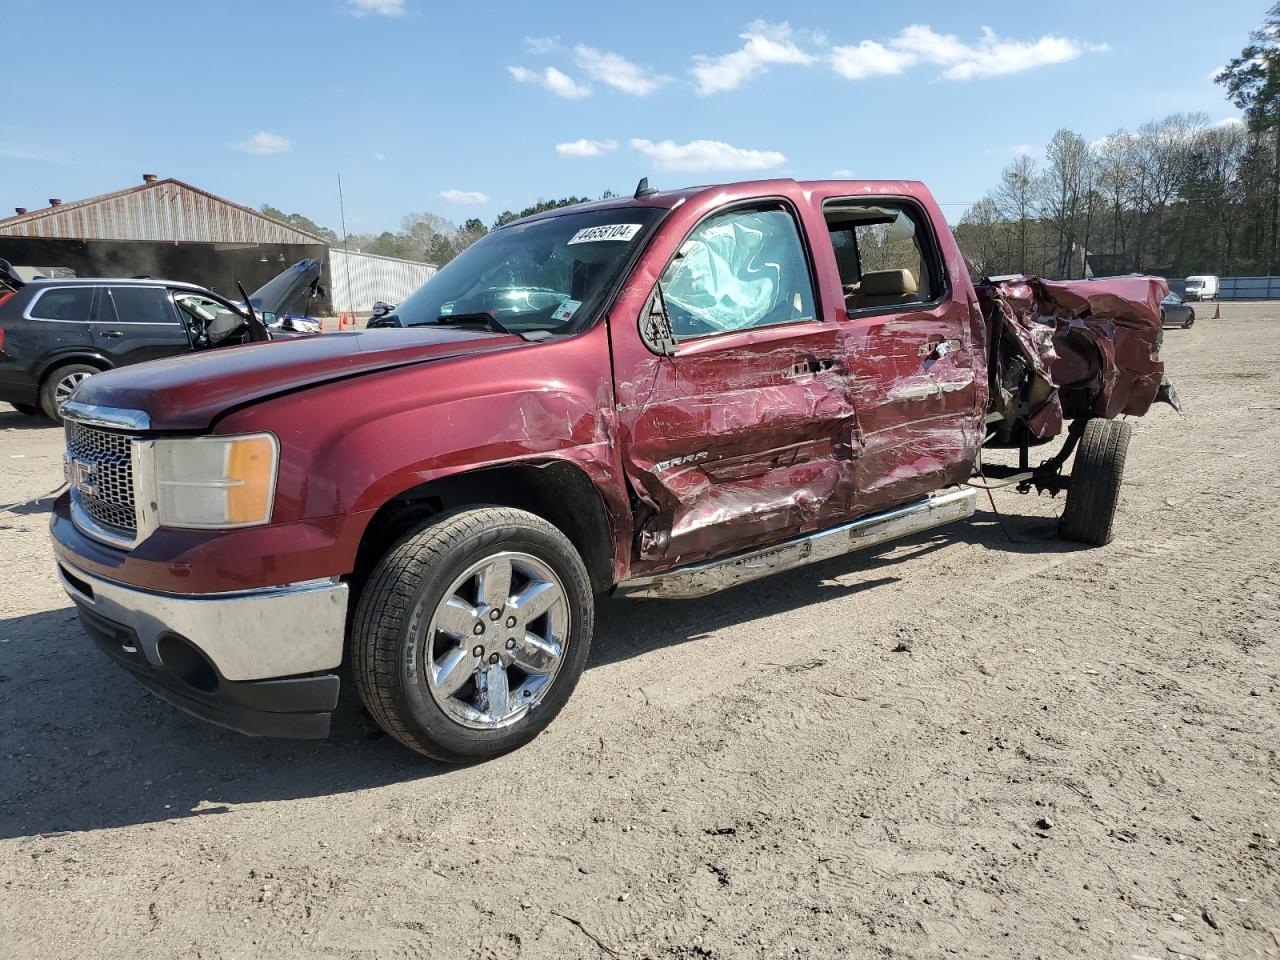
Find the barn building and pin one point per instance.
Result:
(160, 228)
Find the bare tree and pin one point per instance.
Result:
(1065, 190)
(1015, 198)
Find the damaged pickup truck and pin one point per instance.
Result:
(662, 395)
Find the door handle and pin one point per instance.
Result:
(113, 333)
(807, 368)
(933, 352)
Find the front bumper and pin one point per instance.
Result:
(256, 661)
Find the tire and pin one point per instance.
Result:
(26, 409)
(1191, 319)
(1162, 318)
(1095, 482)
(58, 385)
(425, 685)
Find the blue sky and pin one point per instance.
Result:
(459, 108)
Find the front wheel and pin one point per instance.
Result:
(472, 632)
(1191, 319)
(1095, 482)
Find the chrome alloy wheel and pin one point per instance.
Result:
(67, 386)
(496, 640)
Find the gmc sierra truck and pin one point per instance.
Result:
(663, 395)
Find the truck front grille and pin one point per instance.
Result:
(101, 467)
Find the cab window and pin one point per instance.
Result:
(738, 270)
(885, 253)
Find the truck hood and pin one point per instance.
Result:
(190, 392)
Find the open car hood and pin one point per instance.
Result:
(190, 392)
(9, 279)
(284, 288)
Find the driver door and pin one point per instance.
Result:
(739, 438)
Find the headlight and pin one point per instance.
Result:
(215, 481)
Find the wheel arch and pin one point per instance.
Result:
(559, 491)
(90, 358)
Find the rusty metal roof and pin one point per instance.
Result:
(167, 211)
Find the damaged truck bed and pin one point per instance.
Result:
(664, 395)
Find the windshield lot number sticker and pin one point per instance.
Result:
(566, 310)
(609, 231)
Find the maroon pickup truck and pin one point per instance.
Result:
(663, 395)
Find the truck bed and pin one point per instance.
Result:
(1068, 349)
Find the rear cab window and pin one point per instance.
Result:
(65, 304)
(738, 270)
(886, 254)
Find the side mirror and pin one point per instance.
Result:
(270, 319)
(655, 326)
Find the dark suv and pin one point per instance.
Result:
(55, 333)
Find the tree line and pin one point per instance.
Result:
(1176, 197)
(425, 237)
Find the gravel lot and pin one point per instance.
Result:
(1079, 756)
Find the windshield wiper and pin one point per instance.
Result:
(488, 319)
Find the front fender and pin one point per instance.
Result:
(348, 447)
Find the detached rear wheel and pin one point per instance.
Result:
(472, 633)
(1095, 482)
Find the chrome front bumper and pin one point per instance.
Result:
(248, 635)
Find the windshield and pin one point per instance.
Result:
(545, 275)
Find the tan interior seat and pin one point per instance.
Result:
(882, 288)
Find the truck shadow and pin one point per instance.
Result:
(84, 747)
(629, 628)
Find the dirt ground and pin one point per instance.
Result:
(1079, 756)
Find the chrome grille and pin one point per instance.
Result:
(105, 487)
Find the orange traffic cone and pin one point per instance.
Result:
(344, 320)
(1217, 310)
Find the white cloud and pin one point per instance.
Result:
(561, 84)
(264, 144)
(989, 56)
(1230, 122)
(540, 45)
(464, 196)
(844, 173)
(706, 155)
(869, 59)
(586, 148)
(766, 44)
(377, 8)
(617, 71)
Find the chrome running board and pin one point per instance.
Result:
(701, 579)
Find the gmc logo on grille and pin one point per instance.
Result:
(80, 474)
